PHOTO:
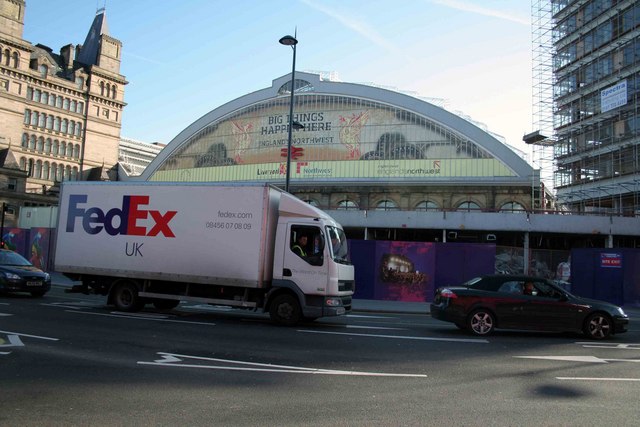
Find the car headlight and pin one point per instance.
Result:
(47, 277)
(12, 276)
(621, 311)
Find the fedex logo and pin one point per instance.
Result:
(94, 220)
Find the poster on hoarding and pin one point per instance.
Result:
(611, 260)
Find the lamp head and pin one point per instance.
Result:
(288, 41)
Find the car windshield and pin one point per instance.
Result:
(12, 258)
(338, 245)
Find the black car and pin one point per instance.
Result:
(522, 302)
(19, 275)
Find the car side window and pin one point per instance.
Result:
(511, 288)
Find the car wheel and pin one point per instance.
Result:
(126, 297)
(481, 322)
(285, 310)
(598, 326)
(166, 304)
(38, 294)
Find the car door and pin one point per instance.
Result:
(546, 310)
(509, 304)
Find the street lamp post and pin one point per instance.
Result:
(290, 41)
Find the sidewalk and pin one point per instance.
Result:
(361, 305)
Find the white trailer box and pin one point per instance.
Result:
(195, 233)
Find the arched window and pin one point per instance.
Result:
(72, 127)
(60, 175)
(114, 90)
(56, 147)
(78, 129)
(37, 173)
(32, 142)
(40, 144)
(30, 167)
(27, 117)
(512, 207)
(47, 146)
(108, 94)
(67, 173)
(347, 205)
(25, 140)
(56, 124)
(65, 126)
(42, 119)
(102, 88)
(49, 122)
(386, 205)
(76, 151)
(16, 60)
(74, 173)
(426, 205)
(34, 118)
(43, 70)
(53, 172)
(45, 170)
(468, 206)
(63, 148)
(23, 163)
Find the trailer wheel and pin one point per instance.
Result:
(285, 310)
(165, 304)
(125, 297)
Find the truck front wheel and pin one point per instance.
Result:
(125, 297)
(285, 310)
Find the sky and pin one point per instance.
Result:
(184, 58)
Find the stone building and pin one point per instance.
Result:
(60, 112)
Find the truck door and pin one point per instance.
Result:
(305, 260)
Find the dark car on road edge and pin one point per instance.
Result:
(19, 275)
(486, 303)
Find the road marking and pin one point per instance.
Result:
(73, 305)
(585, 359)
(627, 346)
(14, 341)
(9, 333)
(368, 317)
(170, 359)
(400, 337)
(143, 315)
(5, 314)
(597, 379)
(330, 325)
(140, 318)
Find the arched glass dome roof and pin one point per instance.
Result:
(352, 133)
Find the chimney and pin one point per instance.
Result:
(68, 55)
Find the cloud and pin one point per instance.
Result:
(466, 6)
(359, 27)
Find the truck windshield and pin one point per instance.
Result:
(338, 245)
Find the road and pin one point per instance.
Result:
(68, 359)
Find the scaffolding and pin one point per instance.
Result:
(542, 138)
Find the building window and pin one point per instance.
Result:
(65, 104)
(52, 100)
(42, 120)
(386, 205)
(27, 117)
(59, 102)
(45, 171)
(56, 124)
(74, 105)
(80, 82)
(512, 207)
(347, 205)
(426, 205)
(40, 144)
(78, 129)
(74, 174)
(23, 164)
(102, 88)
(65, 126)
(32, 142)
(63, 148)
(47, 146)
(30, 168)
(468, 206)
(76, 151)
(45, 98)
(12, 184)
(72, 128)
(43, 70)
(25, 140)
(16, 60)
(37, 173)
(37, 95)
(114, 89)
(49, 122)
(56, 147)
(80, 108)
(34, 118)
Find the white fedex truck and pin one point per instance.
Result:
(248, 246)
